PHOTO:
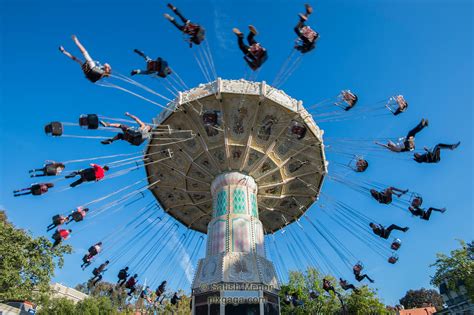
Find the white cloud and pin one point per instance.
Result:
(223, 30)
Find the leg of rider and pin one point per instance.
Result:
(427, 214)
(142, 54)
(431, 209)
(144, 72)
(180, 27)
(22, 194)
(77, 182)
(41, 170)
(244, 48)
(446, 146)
(84, 52)
(38, 174)
(298, 28)
(68, 54)
(415, 130)
(114, 125)
(72, 174)
(394, 227)
(251, 38)
(185, 20)
(98, 279)
(393, 189)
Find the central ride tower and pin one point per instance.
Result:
(247, 160)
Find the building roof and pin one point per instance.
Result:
(418, 311)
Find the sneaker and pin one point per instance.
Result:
(134, 72)
(253, 29)
(237, 31)
(61, 49)
(406, 229)
(456, 145)
(108, 141)
(168, 17)
(172, 7)
(303, 17)
(309, 8)
(442, 210)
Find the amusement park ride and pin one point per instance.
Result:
(236, 160)
(242, 171)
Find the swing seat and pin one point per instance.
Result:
(298, 130)
(53, 170)
(416, 200)
(357, 268)
(90, 121)
(36, 190)
(396, 244)
(393, 259)
(88, 175)
(54, 128)
(309, 33)
(134, 137)
(209, 118)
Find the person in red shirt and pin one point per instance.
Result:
(60, 235)
(35, 190)
(92, 252)
(94, 173)
(77, 215)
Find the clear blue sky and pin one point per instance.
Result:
(421, 49)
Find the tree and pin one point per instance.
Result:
(26, 263)
(117, 296)
(422, 298)
(57, 306)
(183, 306)
(365, 302)
(456, 268)
(96, 305)
(301, 284)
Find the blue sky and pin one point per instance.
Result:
(421, 49)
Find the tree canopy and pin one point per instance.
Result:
(300, 284)
(26, 263)
(422, 298)
(458, 267)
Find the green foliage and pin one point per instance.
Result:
(459, 266)
(183, 306)
(89, 306)
(116, 295)
(422, 298)
(58, 306)
(363, 302)
(95, 306)
(26, 263)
